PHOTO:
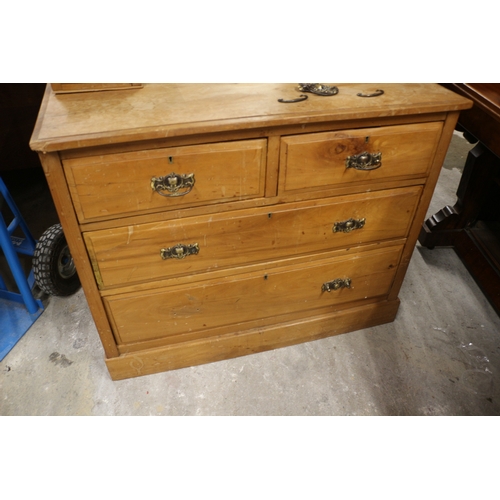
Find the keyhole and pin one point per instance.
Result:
(170, 159)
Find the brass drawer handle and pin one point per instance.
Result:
(348, 225)
(336, 284)
(318, 89)
(179, 251)
(173, 183)
(364, 161)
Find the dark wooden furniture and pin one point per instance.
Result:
(472, 225)
(19, 105)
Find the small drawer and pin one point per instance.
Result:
(265, 295)
(132, 183)
(332, 159)
(153, 251)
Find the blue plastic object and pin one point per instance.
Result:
(18, 311)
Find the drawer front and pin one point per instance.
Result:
(139, 182)
(129, 255)
(332, 159)
(264, 295)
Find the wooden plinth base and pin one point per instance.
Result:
(251, 341)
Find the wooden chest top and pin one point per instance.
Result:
(157, 111)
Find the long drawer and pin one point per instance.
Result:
(333, 159)
(164, 179)
(147, 252)
(236, 300)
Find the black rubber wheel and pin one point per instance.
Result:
(53, 266)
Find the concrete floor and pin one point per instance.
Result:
(441, 356)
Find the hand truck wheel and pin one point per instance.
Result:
(53, 266)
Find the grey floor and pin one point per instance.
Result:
(441, 356)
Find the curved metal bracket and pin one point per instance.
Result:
(299, 99)
(375, 94)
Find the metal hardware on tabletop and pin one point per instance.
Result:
(336, 284)
(374, 94)
(318, 89)
(173, 183)
(313, 88)
(348, 225)
(299, 99)
(364, 161)
(179, 251)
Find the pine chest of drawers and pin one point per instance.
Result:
(213, 221)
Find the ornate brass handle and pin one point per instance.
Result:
(318, 88)
(364, 161)
(179, 251)
(173, 183)
(348, 225)
(313, 88)
(336, 284)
